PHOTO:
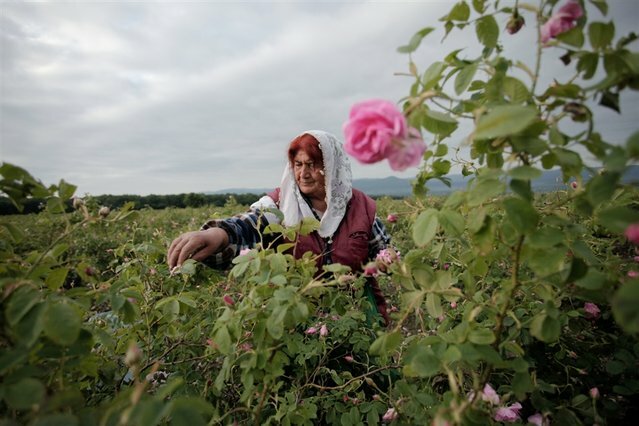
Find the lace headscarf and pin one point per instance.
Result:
(339, 188)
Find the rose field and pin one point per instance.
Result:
(507, 305)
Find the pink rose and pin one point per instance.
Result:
(377, 130)
(389, 415)
(594, 393)
(323, 330)
(228, 300)
(311, 330)
(392, 218)
(489, 395)
(633, 274)
(536, 419)
(636, 259)
(453, 305)
(348, 358)
(370, 270)
(508, 414)
(632, 233)
(574, 185)
(592, 310)
(562, 21)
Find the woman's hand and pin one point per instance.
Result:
(197, 245)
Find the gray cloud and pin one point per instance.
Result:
(158, 97)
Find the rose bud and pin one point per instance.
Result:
(515, 23)
(104, 211)
(392, 218)
(228, 300)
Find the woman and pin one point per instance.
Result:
(317, 182)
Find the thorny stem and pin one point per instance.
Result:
(363, 376)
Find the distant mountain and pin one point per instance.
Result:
(550, 180)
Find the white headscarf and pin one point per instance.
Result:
(339, 189)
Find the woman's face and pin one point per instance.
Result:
(309, 175)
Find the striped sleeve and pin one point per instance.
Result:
(380, 238)
(245, 232)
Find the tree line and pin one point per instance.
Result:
(35, 205)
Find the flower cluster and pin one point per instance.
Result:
(320, 328)
(377, 130)
(504, 413)
(564, 20)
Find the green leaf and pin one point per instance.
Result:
(522, 215)
(452, 222)
(487, 31)
(481, 336)
(56, 278)
(515, 90)
(58, 419)
(16, 233)
(415, 41)
(439, 123)
(545, 328)
(66, 190)
(62, 322)
(30, 326)
(425, 227)
(464, 77)
(617, 218)
(432, 74)
(525, 173)
(601, 187)
(459, 12)
(434, 305)
(20, 302)
(423, 364)
(632, 145)
(485, 190)
(573, 37)
(593, 280)
(587, 65)
(25, 394)
(505, 120)
(601, 34)
(625, 306)
(386, 343)
(479, 5)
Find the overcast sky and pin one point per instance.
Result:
(153, 97)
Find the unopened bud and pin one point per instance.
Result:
(133, 355)
(515, 23)
(104, 211)
(577, 111)
(77, 202)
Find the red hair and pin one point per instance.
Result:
(309, 145)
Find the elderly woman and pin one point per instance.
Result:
(316, 183)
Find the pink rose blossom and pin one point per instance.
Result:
(453, 305)
(348, 358)
(562, 21)
(446, 266)
(594, 393)
(377, 130)
(508, 414)
(574, 185)
(323, 330)
(370, 270)
(632, 233)
(489, 395)
(311, 330)
(592, 310)
(536, 419)
(633, 274)
(392, 218)
(228, 300)
(389, 415)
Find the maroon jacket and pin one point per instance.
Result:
(350, 241)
